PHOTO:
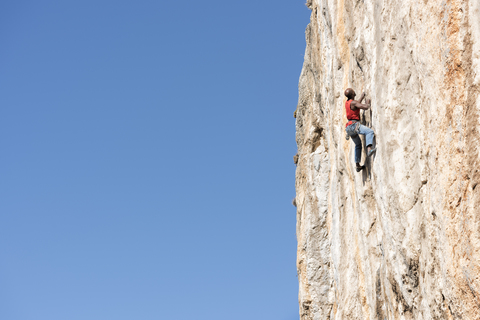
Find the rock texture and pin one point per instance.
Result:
(400, 240)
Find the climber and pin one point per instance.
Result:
(354, 128)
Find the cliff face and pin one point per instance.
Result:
(400, 240)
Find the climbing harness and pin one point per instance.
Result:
(353, 128)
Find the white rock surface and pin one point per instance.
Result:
(400, 240)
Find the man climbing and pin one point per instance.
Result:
(354, 128)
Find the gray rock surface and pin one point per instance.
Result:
(400, 240)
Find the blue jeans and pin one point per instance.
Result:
(366, 131)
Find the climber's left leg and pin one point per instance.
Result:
(358, 151)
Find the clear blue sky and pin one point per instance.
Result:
(146, 164)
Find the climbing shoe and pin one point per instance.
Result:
(372, 151)
(360, 168)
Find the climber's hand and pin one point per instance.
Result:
(362, 96)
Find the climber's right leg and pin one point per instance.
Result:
(369, 134)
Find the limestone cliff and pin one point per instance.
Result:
(400, 240)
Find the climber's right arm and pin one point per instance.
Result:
(361, 97)
(364, 106)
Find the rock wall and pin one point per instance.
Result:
(400, 240)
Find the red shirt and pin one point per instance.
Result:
(351, 114)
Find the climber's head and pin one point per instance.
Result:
(349, 93)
